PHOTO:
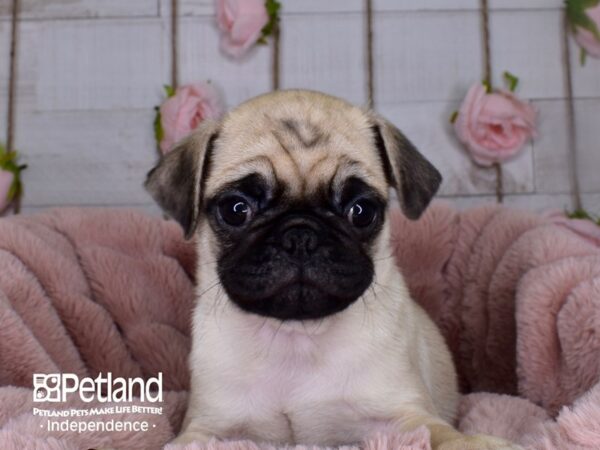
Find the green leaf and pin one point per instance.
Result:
(8, 162)
(169, 90)
(581, 214)
(577, 15)
(158, 129)
(6, 158)
(273, 7)
(453, 117)
(159, 133)
(511, 80)
(13, 190)
(582, 56)
(487, 85)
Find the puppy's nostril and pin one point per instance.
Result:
(300, 241)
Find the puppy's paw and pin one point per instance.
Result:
(212, 444)
(189, 438)
(478, 442)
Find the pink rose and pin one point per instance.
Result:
(182, 113)
(583, 227)
(241, 23)
(494, 126)
(589, 41)
(6, 180)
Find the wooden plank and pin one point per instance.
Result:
(27, 64)
(324, 54)
(551, 149)
(151, 209)
(206, 7)
(201, 59)
(434, 56)
(551, 161)
(427, 126)
(445, 5)
(86, 158)
(426, 56)
(530, 202)
(526, 4)
(70, 9)
(586, 78)
(528, 44)
(107, 64)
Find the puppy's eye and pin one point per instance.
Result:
(235, 211)
(362, 213)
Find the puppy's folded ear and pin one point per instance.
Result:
(415, 179)
(177, 181)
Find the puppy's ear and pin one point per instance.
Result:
(415, 179)
(177, 181)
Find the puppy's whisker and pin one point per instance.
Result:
(208, 263)
(274, 337)
(366, 310)
(215, 282)
(393, 255)
(385, 290)
(310, 336)
(259, 329)
(390, 291)
(220, 302)
(319, 324)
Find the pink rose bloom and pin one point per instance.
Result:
(182, 113)
(494, 126)
(241, 23)
(6, 180)
(583, 227)
(585, 38)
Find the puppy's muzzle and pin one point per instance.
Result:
(299, 268)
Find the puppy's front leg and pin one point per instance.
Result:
(189, 434)
(446, 437)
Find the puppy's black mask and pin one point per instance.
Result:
(295, 259)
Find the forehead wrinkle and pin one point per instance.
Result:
(317, 163)
(294, 164)
(259, 164)
(304, 131)
(348, 168)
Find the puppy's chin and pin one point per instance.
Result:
(295, 301)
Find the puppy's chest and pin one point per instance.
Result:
(299, 399)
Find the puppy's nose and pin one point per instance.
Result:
(300, 241)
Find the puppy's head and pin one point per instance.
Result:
(291, 189)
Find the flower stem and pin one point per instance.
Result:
(275, 57)
(571, 124)
(499, 183)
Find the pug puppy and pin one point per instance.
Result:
(304, 331)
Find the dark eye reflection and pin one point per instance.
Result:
(362, 213)
(235, 210)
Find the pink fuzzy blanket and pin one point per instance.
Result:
(90, 291)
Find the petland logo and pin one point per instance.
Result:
(57, 387)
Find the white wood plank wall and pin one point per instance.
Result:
(91, 71)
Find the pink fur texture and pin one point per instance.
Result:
(517, 298)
